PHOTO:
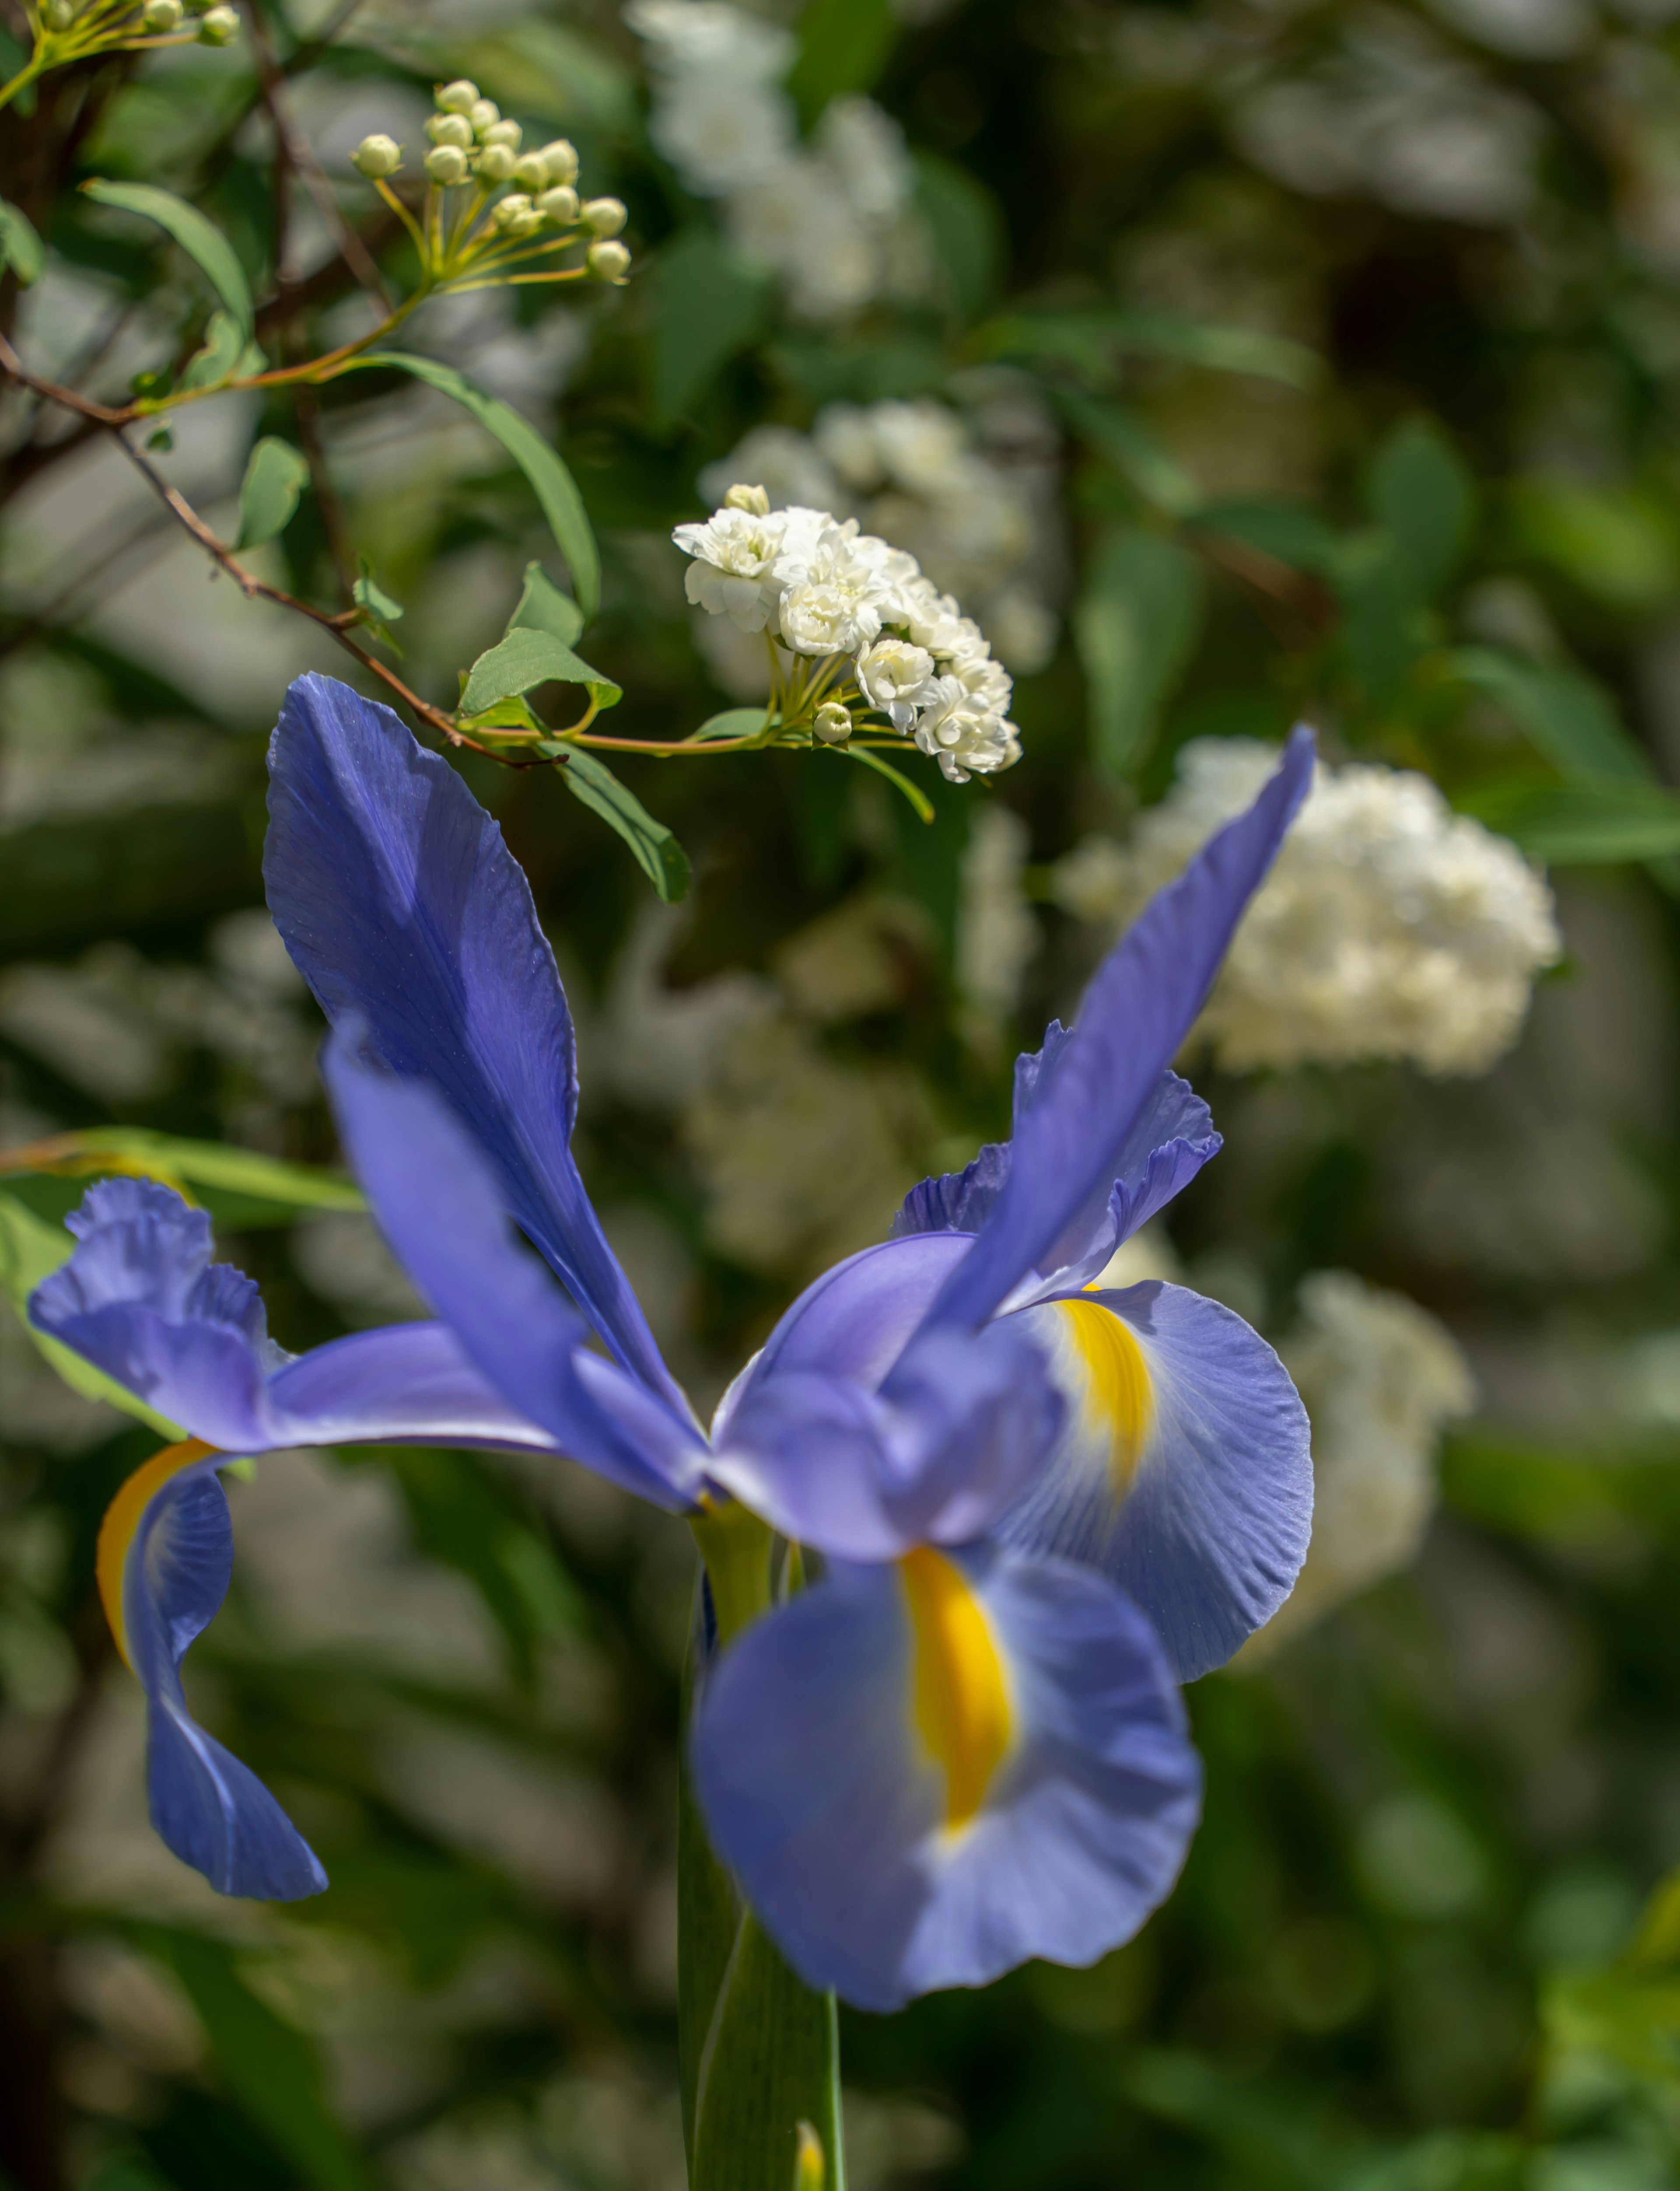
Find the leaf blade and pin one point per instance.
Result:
(274, 479)
(1136, 625)
(655, 850)
(198, 237)
(20, 247)
(529, 656)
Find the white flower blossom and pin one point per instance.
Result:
(721, 133)
(1389, 927)
(895, 676)
(1381, 1379)
(964, 738)
(733, 573)
(834, 593)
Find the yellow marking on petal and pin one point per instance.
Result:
(1118, 1395)
(962, 1704)
(121, 1520)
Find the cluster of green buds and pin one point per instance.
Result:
(69, 29)
(491, 208)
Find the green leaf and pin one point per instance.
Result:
(242, 1187)
(20, 247)
(771, 2061)
(200, 238)
(378, 611)
(969, 229)
(225, 346)
(1583, 824)
(544, 608)
(1618, 544)
(1288, 532)
(1420, 490)
(1136, 625)
(1382, 626)
(732, 723)
(712, 306)
(660, 857)
(274, 478)
(1568, 718)
(527, 658)
(1124, 442)
(270, 2066)
(1629, 2017)
(912, 793)
(1092, 341)
(843, 46)
(708, 1910)
(30, 1251)
(553, 483)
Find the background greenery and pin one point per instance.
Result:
(1354, 328)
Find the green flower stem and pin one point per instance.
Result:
(33, 67)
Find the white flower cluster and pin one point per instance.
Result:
(1390, 927)
(822, 587)
(1381, 1379)
(830, 219)
(912, 473)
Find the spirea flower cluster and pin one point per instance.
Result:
(832, 220)
(1381, 1380)
(1390, 928)
(912, 472)
(73, 27)
(891, 642)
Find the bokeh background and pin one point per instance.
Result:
(1231, 360)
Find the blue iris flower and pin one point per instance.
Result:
(1040, 1504)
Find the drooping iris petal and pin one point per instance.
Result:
(1137, 1011)
(403, 907)
(166, 1553)
(140, 1299)
(1184, 1470)
(947, 1444)
(925, 1773)
(436, 1200)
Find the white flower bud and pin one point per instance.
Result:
(514, 206)
(374, 156)
(446, 164)
(484, 113)
(494, 164)
(833, 725)
(162, 16)
(530, 171)
(59, 15)
(220, 27)
(459, 97)
(752, 499)
(559, 158)
(609, 262)
(606, 216)
(504, 133)
(450, 129)
(559, 206)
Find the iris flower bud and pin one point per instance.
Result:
(752, 499)
(504, 133)
(446, 164)
(459, 97)
(220, 27)
(606, 216)
(559, 158)
(833, 725)
(450, 129)
(560, 206)
(484, 113)
(609, 262)
(162, 15)
(373, 157)
(494, 164)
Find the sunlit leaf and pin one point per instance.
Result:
(528, 657)
(265, 1189)
(542, 606)
(657, 853)
(225, 346)
(1136, 626)
(274, 479)
(198, 237)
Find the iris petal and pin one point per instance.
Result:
(402, 907)
(166, 1553)
(833, 1796)
(1184, 1469)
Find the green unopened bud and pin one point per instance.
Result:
(59, 15)
(374, 156)
(752, 499)
(604, 216)
(162, 16)
(559, 158)
(504, 133)
(833, 724)
(529, 172)
(483, 114)
(446, 164)
(513, 207)
(450, 129)
(220, 27)
(559, 206)
(609, 262)
(459, 97)
(494, 164)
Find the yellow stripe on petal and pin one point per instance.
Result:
(122, 1518)
(1119, 1398)
(962, 1702)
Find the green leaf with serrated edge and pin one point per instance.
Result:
(1568, 718)
(20, 247)
(526, 658)
(199, 237)
(553, 483)
(1583, 823)
(1420, 492)
(542, 606)
(712, 304)
(268, 2066)
(1123, 441)
(912, 793)
(274, 479)
(593, 784)
(225, 346)
(1136, 625)
(138, 1151)
(843, 46)
(30, 1251)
